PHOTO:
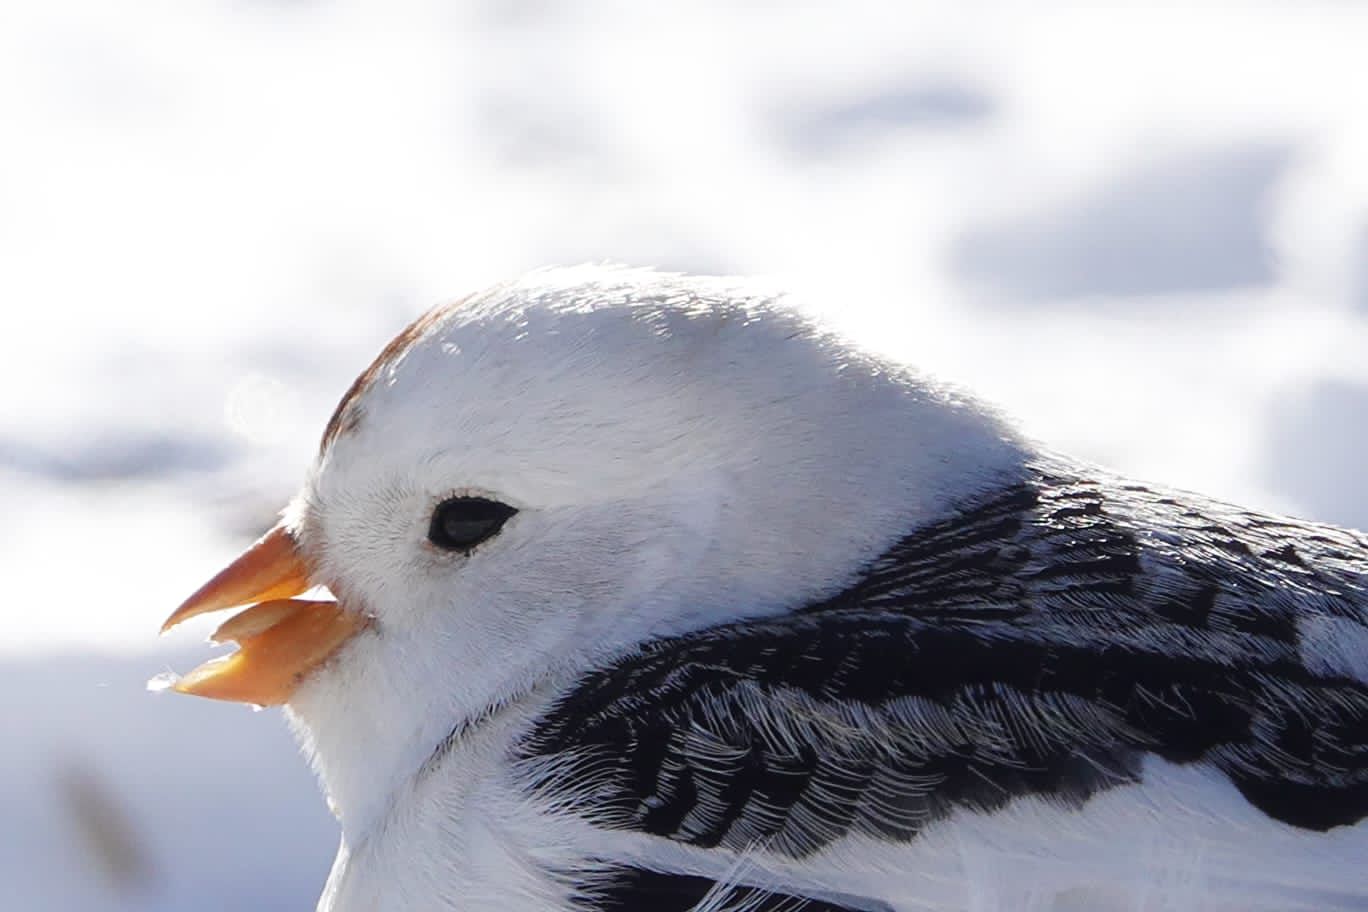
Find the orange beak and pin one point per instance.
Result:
(280, 639)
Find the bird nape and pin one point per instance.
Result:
(653, 592)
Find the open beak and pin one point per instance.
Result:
(280, 638)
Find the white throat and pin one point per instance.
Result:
(371, 745)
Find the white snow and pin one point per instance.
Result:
(1142, 228)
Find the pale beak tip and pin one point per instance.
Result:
(174, 621)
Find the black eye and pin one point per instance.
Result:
(462, 523)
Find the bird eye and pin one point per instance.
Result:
(461, 523)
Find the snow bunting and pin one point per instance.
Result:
(651, 593)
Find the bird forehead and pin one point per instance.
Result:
(589, 355)
(347, 415)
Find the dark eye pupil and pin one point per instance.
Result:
(462, 523)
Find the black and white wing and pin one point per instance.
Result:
(1049, 645)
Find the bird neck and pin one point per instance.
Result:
(375, 732)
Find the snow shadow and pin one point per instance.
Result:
(824, 130)
(1191, 224)
(1315, 450)
(118, 457)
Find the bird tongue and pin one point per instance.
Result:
(280, 640)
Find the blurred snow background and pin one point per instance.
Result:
(1143, 229)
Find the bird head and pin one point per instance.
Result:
(542, 477)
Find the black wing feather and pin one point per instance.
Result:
(1040, 643)
(631, 889)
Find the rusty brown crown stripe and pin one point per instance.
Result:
(347, 415)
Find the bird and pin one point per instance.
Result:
(647, 591)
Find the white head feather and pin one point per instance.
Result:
(682, 452)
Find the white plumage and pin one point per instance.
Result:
(780, 625)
